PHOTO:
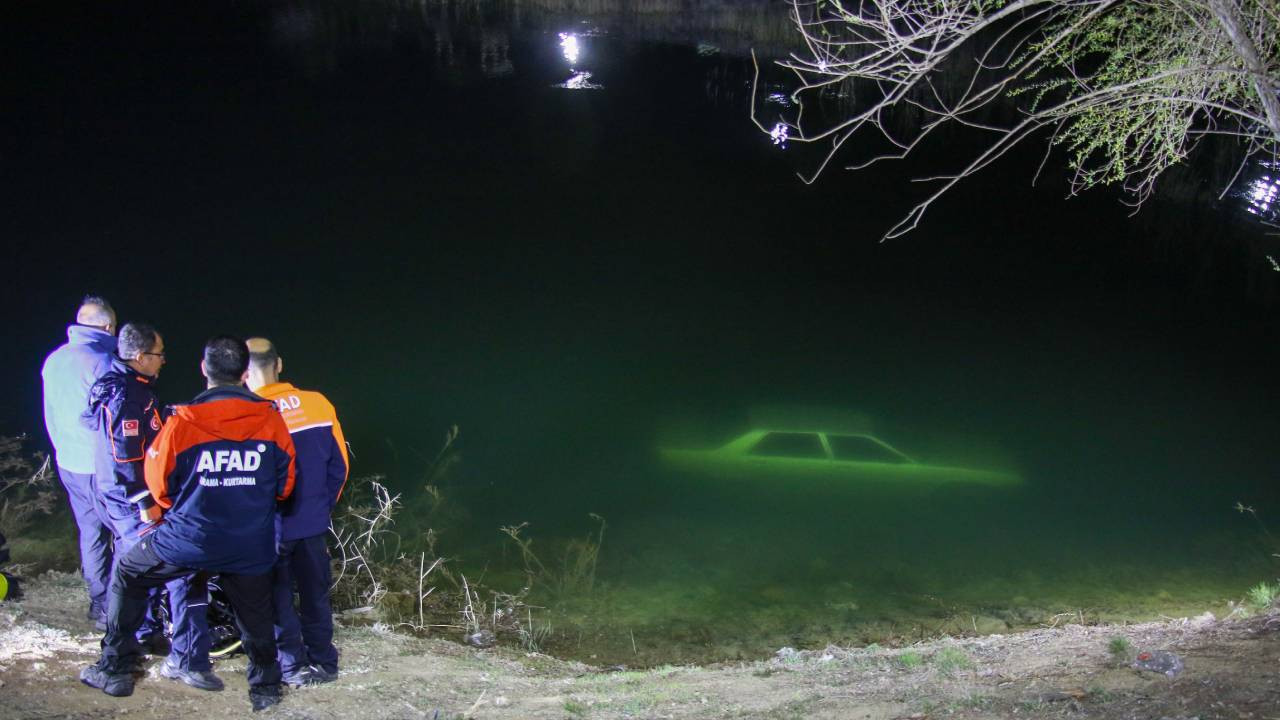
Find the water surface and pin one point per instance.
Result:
(442, 218)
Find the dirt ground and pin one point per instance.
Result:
(1232, 670)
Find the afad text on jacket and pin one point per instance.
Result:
(218, 468)
(322, 459)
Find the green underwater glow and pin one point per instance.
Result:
(824, 455)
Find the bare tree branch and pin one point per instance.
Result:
(1130, 88)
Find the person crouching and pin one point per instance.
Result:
(216, 471)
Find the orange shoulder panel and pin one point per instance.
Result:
(159, 463)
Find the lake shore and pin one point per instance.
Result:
(1230, 672)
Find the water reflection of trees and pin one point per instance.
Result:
(461, 37)
(732, 27)
(464, 40)
(471, 35)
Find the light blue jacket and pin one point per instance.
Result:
(68, 373)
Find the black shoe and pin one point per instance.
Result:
(264, 696)
(155, 644)
(113, 684)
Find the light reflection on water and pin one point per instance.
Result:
(1262, 194)
(779, 134)
(778, 98)
(580, 81)
(570, 47)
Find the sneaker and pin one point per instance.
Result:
(113, 684)
(301, 677)
(322, 675)
(264, 696)
(199, 679)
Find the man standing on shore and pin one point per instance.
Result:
(67, 375)
(215, 473)
(125, 413)
(304, 635)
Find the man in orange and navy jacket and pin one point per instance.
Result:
(216, 472)
(304, 636)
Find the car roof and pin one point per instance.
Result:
(792, 418)
(816, 431)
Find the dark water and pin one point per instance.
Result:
(436, 232)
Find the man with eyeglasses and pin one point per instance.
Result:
(124, 412)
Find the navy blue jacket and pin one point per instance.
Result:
(322, 459)
(125, 417)
(218, 469)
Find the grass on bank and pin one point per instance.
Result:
(408, 583)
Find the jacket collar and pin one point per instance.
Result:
(226, 392)
(276, 388)
(122, 367)
(84, 335)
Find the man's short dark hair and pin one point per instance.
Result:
(135, 339)
(95, 311)
(267, 358)
(225, 359)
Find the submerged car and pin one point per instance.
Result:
(845, 457)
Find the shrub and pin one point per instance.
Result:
(26, 488)
(1262, 596)
(1120, 649)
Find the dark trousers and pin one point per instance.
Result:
(140, 569)
(188, 596)
(304, 635)
(95, 537)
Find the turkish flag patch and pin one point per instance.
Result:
(129, 428)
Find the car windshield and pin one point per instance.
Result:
(787, 444)
(860, 448)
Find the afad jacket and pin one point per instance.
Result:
(323, 466)
(218, 469)
(67, 375)
(125, 416)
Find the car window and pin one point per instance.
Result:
(862, 449)
(796, 445)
